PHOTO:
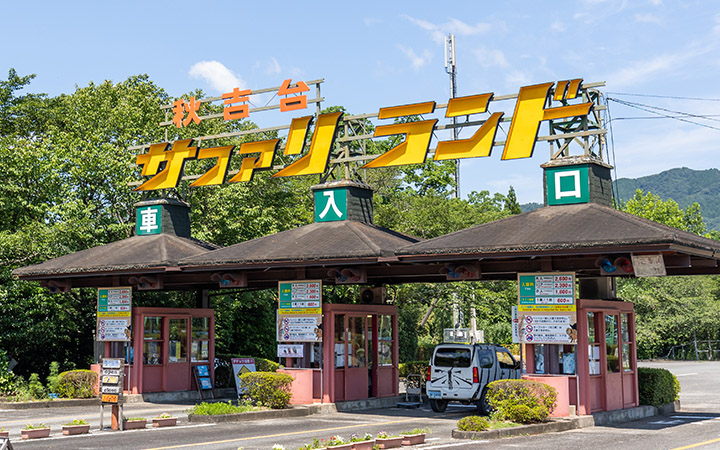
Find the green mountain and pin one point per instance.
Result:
(685, 186)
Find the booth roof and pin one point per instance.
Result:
(562, 228)
(314, 242)
(138, 252)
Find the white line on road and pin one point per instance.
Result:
(686, 374)
(695, 417)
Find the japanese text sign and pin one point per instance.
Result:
(114, 314)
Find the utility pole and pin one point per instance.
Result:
(451, 69)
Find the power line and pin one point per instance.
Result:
(667, 96)
(651, 109)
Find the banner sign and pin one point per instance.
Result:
(114, 314)
(164, 162)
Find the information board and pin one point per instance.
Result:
(546, 292)
(293, 328)
(300, 297)
(114, 314)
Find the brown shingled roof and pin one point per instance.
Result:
(138, 252)
(567, 227)
(314, 242)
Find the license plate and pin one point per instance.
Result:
(434, 394)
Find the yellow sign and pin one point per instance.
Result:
(530, 111)
(108, 398)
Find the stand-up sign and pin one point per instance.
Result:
(111, 381)
(114, 314)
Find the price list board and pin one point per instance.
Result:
(111, 381)
(546, 292)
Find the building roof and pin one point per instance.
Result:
(316, 242)
(136, 253)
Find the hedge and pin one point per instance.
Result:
(473, 423)
(521, 401)
(269, 389)
(657, 386)
(418, 367)
(77, 384)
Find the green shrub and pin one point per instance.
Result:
(521, 401)
(77, 384)
(8, 380)
(265, 365)
(419, 367)
(270, 389)
(473, 423)
(35, 387)
(657, 386)
(53, 379)
(219, 408)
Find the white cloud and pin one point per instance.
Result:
(656, 2)
(217, 75)
(453, 25)
(273, 66)
(639, 72)
(416, 60)
(371, 21)
(557, 26)
(647, 18)
(517, 78)
(491, 58)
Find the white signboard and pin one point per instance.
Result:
(242, 366)
(290, 351)
(299, 328)
(548, 329)
(515, 325)
(648, 265)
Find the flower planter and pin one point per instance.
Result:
(164, 421)
(35, 433)
(390, 442)
(363, 445)
(347, 446)
(4, 434)
(72, 430)
(134, 424)
(413, 439)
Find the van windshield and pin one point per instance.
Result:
(452, 357)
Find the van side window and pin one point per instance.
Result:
(452, 357)
(486, 359)
(506, 361)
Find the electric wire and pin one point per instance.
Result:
(650, 109)
(666, 96)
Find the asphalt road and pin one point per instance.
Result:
(696, 426)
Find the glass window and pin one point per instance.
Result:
(452, 357)
(152, 352)
(385, 343)
(611, 342)
(593, 347)
(539, 358)
(505, 359)
(624, 327)
(339, 340)
(200, 334)
(152, 340)
(356, 340)
(627, 346)
(178, 341)
(566, 358)
(152, 328)
(486, 359)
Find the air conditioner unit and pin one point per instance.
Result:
(374, 295)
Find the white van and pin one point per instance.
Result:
(461, 372)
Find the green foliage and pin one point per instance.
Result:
(31, 426)
(270, 389)
(76, 422)
(473, 423)
(657, 386)
(416, 431)
(521, 401)
(53, 378)
(265, 365)
(77, 384)
(35, 387)
(8, 380)
(219, 408)
(417, 367)
(651, 206)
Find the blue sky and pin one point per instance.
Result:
(374, 54)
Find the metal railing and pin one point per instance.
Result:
(706, 350)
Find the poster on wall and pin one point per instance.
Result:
(114, 314)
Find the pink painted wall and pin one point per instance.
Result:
(302, 385)
(562, 386)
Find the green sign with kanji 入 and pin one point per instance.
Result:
(148, 220)
(330, 205)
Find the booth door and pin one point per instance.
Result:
(356, 372)
(614, 378)
(177, 363)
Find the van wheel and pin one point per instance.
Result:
(438, 405)
(483, 405)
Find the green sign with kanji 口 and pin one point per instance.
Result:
(148, 220)
(567, 185)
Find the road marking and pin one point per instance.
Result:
(695, 417)
(686, 374)
(699, 444)
(452, 445)
(268, 436)
(667, 422)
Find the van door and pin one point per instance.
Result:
(452, 374)
(509, 368)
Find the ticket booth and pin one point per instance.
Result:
(166, 344)
(358, 358)
(604, 360)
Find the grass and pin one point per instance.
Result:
(215, 409)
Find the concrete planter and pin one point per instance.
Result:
(363, 445)
(134, 424)
(35, 433)
(72, 430)
(164, 421)
(347, 446)
(391, 442)
(413, 439)
(4, 434)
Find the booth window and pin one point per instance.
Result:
(551, 359)
(178, 341)
(200, 335)
(340, 341)
(152, 340)
(356, 338)
(385, 343)
(627, 345)
(593, 344)
(611, 342)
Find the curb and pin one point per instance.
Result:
(51, 403)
